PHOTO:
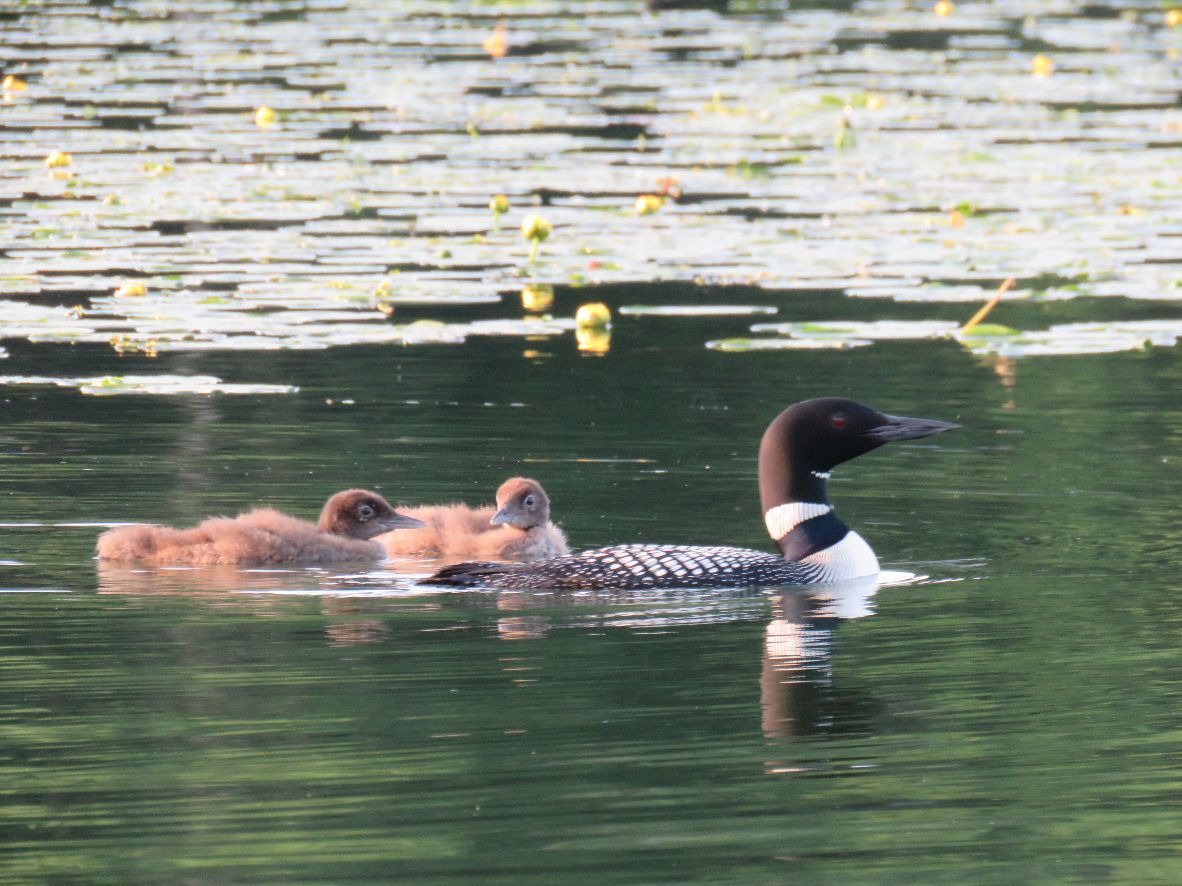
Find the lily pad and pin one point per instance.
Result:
(695, 310)
(112, 385)
(738, 345)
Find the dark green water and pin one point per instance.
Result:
(1009, 716)
(1010, 719)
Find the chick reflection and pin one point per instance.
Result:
(348, 621)
(189, 581)
(796, 690)
(519, 627)
(348, 624)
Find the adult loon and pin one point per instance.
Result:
(798, 450)
(518, 528)
(348, 522)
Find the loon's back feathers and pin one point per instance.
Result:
(797, 451)
(633, 567)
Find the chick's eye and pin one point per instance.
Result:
(529, 501)
(365, 512)
(837, 420)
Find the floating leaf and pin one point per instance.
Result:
(739, 345)
(878, 330)
(110, 385)
(695, 310)
(989, 330)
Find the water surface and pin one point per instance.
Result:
(1005, 716)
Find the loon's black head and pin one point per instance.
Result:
(812, 437)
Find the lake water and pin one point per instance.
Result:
(1007, 713)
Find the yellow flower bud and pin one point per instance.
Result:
(537, 297)
(1042, 66)
(595, 315)
(647, 204)
(593, 340)
(131, 290)
(534, 227)
(495, 44)
(58, 159)
(265, 116)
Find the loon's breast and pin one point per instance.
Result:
(633, 567)
(850, 558)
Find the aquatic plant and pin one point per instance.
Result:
(496, 44)
(844, 137)
(535, 229)
(668, 186)
(12, 85)
(647, 204)
(498, 205)
(594, 315)
(1042, 66)
(131, 289)
(593, 340)
(110, 385)
(975, 320)
(537, 297)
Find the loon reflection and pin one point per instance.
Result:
(797, 692)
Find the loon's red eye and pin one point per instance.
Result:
(837, 420)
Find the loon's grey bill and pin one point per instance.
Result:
(899, 427)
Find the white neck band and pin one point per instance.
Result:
(782, 519)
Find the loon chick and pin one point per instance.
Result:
(347, 523)
(798, 449)
(519, 528)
